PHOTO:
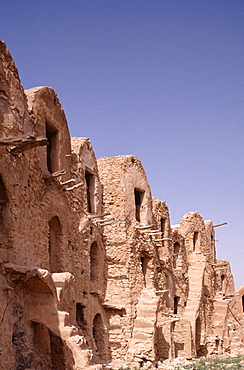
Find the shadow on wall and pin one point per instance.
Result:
(36, 339)
(45, 351)
(162, 346)
(99, 337)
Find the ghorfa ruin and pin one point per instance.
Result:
(93, 275)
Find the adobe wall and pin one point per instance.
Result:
(92, 272)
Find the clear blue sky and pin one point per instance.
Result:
(160, 79)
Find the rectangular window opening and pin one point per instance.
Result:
(195, 238)
(162, 226)
(138, 201)
(176, 304)
(52, 155)
(90, 188)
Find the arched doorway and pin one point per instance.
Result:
(54, 244)
(99, 336)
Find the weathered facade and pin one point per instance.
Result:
(92, 273)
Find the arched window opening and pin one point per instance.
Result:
(138, 194)
(146, 271)
(176, 254)
(94, 262)
(90, 190)
(243, 303)
(162, 226)
(195, 239)
(54, 244)
(99, 336)
(80, 315)
(176, 304)
(52, 148)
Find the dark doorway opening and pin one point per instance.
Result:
(99, 336)
(138, 201)
(90, 188)
(176, 304)
(52, 153)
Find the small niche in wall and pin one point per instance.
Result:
(222, 282)
(138, 194)
(54, 244)
(80, 316)
(90, 190)
(99, 336)
(176, 304)
(243, 303)
(52, 148)
(195, 240)
(162, 226)
(94, 262)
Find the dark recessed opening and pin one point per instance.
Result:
(51, 135)
(57, 352)
(54, 244)
(222, 281)
(195, 238)
(99, 336)
(162, 226)
(176, 304)
(90, 183)
(138, 201)
(94, 262)
(80, 316)
(243, 303)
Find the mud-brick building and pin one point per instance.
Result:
(93, 275)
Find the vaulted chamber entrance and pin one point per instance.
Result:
(99, 337)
